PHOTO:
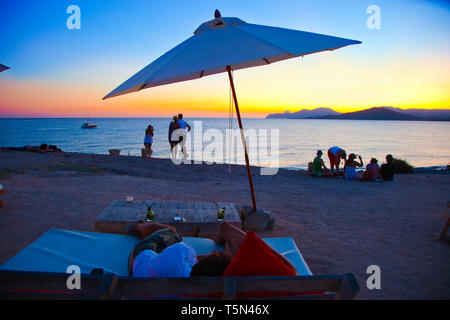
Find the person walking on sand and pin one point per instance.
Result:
(148, 140)
(185, 127)
(335, 154)
(350, 167)
(172, 127)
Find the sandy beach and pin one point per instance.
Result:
(339, 226)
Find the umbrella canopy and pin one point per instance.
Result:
(3, 68)
(227, 42)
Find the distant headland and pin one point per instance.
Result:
(376, 113)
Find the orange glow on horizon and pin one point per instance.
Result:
(317, 81)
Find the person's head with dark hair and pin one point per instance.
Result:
(175, 118)
(149, 130)
(180, 116)
(374, 161)
(319, 153)
(389, 158)
(211, 265)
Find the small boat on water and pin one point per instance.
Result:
(87, 125)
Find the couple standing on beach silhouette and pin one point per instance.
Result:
(178, 130)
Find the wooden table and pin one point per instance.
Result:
(200, 218)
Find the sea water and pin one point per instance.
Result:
(421, 143)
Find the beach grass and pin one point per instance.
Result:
(402, 166)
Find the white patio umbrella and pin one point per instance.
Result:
(226, 44)
(3, 68)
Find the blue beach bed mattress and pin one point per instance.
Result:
(57, 249)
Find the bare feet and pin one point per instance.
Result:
(147, 228)
(229, 236)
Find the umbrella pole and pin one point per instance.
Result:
(241, 129)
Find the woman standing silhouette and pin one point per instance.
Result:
(148, 140)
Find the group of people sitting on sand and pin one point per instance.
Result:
(42, 148)
(178, 128)
(336, 154)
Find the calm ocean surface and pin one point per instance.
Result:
(420, 143)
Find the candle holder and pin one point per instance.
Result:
(150, 214)
(220, 212)
(179, 219)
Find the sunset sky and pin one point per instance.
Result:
(57, 72)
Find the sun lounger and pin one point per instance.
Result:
(39, 270)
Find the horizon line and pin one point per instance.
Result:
(199, 117)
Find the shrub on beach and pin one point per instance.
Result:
(401, 166)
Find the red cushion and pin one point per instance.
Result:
(255, 258)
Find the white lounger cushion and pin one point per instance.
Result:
(57, 249)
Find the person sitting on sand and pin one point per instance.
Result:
(319, 169)
(372, 172)
(148, 140)
(335, 154)
(172, 127)
(350, 167)
(387, 169)
(42, 148)
(163, 253)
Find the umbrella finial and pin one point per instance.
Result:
(217, 14)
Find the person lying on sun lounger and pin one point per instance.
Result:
(163, 253)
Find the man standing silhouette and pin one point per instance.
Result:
(185, 127)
